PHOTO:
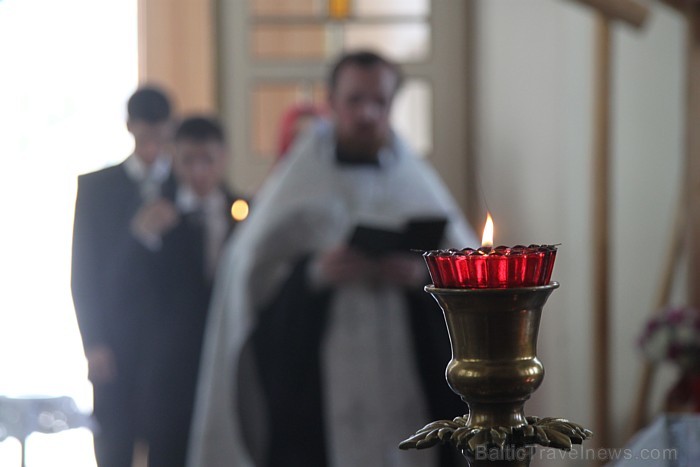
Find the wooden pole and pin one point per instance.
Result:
(680, 5)
(693, 154)
(601, 231)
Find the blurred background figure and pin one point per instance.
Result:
(185, 229)
(113, 296)
(296, 120)
(341, 345)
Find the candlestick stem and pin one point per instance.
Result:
(495, 369)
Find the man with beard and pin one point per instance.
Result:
(319, 352)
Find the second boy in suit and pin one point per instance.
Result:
(186, 228)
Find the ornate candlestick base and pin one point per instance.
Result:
(495, 369)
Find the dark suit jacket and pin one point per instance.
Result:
(111, 291)
(183, 285)
(184, 290)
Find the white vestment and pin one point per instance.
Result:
(309, 204)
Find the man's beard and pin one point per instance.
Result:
(364, 147)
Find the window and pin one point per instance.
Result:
(63, 92)
(284, 35)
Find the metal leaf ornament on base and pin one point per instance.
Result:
(551, 432)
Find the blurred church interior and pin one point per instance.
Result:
(567, 119)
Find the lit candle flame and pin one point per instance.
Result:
(239, 210)
(487, 238)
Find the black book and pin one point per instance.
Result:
(417, 234)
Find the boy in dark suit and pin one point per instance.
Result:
(186, 259)
(112, 294)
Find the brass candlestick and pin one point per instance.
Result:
(495, 369)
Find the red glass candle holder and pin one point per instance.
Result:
(496, 268)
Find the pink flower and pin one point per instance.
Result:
(673, 335)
